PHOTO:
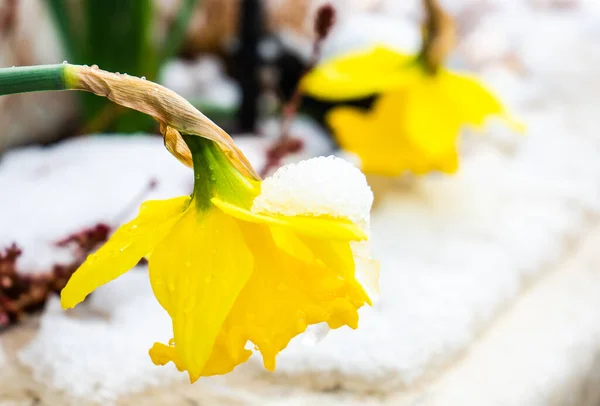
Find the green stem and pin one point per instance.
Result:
(215, 176)
(203, 170)
(33, 79)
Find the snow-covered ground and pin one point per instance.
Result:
(457, 252)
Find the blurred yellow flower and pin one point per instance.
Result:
(415, 123)
(358, 74)
(378, 138)
(227, 273)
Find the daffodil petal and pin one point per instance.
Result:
(162, 354)
(323, 227)
(358, 75)
(474, 102)
(286, 294)
(337, 255)
(124, 249)
(292, 244)
(376, 136)
(197, 272)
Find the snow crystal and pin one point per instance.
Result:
(318, 186)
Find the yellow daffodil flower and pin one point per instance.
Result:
(228, 272)
(415, 123)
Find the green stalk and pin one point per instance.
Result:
(216, 177)
(34, 79)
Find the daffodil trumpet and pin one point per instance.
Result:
(234, 263)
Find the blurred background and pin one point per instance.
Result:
(490, 270)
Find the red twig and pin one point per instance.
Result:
(23, 292)
(286, 144)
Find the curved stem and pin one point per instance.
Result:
(174, 113)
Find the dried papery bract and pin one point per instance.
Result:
(439, 35)
(175, 114)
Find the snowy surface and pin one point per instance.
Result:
(101, 352)
(543, 352)
(455, 251)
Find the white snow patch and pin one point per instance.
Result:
(318, 186)
(101, 350)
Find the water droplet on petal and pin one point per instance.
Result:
(143, 77)
(172, 342)
(65, 62)
(95, 66)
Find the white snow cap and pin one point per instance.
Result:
(318, 186)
